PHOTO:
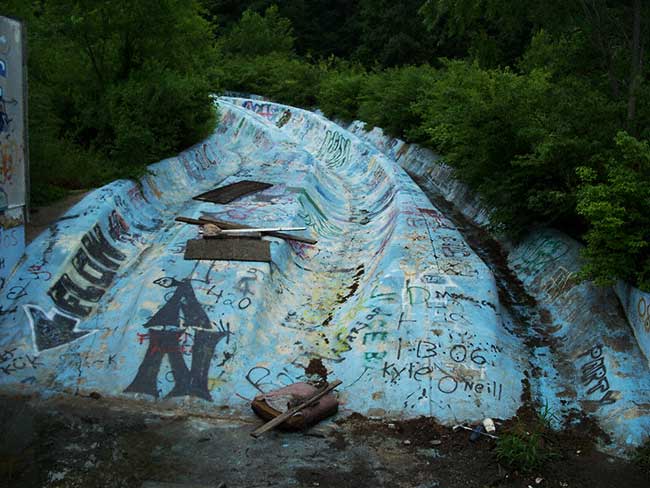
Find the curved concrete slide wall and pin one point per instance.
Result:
(637, 308)
(391, 299)
(592, 339)
(591, 361)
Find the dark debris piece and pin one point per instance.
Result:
(228, 193)
(229, 249)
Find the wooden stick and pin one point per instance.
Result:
(232, 225)
(292, 411)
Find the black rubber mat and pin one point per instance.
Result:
(229, 249)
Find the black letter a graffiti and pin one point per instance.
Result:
(180, 312)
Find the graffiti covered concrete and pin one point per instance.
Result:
(391, 299)
(397, 306)
(586, 356)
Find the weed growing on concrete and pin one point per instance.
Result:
(525, 446)
(642, 456)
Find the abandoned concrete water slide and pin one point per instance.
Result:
(391, 299)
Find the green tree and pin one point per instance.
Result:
(115, 85)
(617, 207)
(257, 56)
(339, 89)
(257, 35)
(322, 27)
(517, 138)
(393, 34)
(387, 98)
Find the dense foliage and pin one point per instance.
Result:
(617, 204)
(537, 105)
(541, 106)
(114, 85)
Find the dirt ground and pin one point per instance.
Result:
(42, 217)
(101, 442)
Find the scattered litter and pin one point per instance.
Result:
(538, 480)
(407, 442)
(392, 426)
(295, 407)
(476, 433)
(210, 230)
(436, 442)
(228, 193)
(286, 116)
(479, 432)
(488, 423)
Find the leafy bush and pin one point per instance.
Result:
(277, 76)
(338, 92)
(256, 56)
(114, 86)
(153, 120)
(617, 206)
(516, 138)
(387, 98)
(256, 35)
(526, 446)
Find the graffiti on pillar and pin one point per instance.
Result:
(4, 115)
(169, 335)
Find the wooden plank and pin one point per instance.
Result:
(232, 225)
(230, 249)
(289, 413)
(228, 193)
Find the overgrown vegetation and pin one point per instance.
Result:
(541, 107)
(534, 106)
(114, 85)
(527, 446)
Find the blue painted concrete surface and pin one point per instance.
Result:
(592, 363)
(391, 299)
